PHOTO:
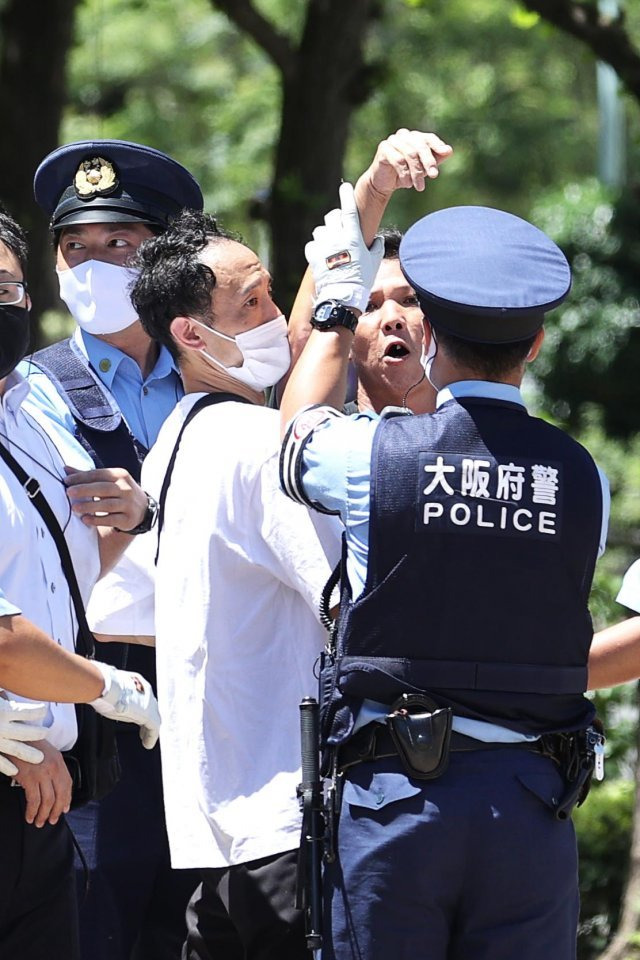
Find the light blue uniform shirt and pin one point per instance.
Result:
(145, 402)
(336, 473)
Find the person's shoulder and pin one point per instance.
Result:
(43, 390)
(562, 436)
(228, 432)
(240, 422)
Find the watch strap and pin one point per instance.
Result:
(148, 520)
(329, 314)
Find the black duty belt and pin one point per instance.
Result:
(374, 742)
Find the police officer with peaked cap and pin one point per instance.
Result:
(112, 387)
(454, 715)
(103, 198)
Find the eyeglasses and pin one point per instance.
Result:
(12, 292)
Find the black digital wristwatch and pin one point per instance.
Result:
(331, 313)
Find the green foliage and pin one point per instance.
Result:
(603, 826)
(181, 78)
(593, 353)
(620, 460)
(518, 105)
(515, 98)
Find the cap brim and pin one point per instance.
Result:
(480, 327)
(103, 215)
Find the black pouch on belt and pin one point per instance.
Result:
(421, 732)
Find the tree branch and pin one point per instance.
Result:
(275, 44)
(605, 36)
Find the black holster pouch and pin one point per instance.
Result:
(92, 761)
(575, 754)
(421, 733)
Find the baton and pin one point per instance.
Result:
(312, 821)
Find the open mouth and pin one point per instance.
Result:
(396, 351)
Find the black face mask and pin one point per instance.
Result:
(14, 337)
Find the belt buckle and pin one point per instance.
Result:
(31, 487)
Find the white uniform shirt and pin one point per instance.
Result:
(238, 582)
(32, 581)
(629, 595)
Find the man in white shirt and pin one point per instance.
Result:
(37, 889)
(239, 576)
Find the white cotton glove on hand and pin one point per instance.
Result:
(127, 696)
(20, 722)
(343, 267)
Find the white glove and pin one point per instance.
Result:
(343, 267)
(128, 696)
(20, 722)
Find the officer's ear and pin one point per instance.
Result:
(186, 333)
(535, 346)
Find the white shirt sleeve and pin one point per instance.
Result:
(122, 602)
(304, 547)
(629, 595)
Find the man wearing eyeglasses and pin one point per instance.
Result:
(38, 911)
(112, 387)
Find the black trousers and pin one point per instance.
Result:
(135, 906)
(247, 912)
(38, 906)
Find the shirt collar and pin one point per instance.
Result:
(165, 364)
(105, 358)
(479, 388)
(15, 391)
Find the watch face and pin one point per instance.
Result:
(332, 313)
(323, 311)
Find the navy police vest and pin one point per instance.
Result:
(102, 431)
(484, 531)
(100, 427)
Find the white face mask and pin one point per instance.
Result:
(97, 295)
(265, 353)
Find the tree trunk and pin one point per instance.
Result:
(327, 83)
(324, 79)
(604, 35)
(626, 942)
(35, 39)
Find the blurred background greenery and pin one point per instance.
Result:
(269, 102)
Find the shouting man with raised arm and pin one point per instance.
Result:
(38, 626)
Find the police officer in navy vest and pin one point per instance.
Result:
(453, 716)
(112, 387)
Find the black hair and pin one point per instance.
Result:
(14, 237)
(493, 361)
(172, 281)
(392, 237)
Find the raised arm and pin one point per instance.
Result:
(404, 161)
(344, 269)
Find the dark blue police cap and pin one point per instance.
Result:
(101, 181)
(483, 274)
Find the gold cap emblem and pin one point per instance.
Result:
(95, 177)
